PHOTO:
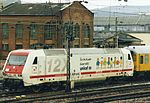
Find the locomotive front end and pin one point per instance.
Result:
(14, 65)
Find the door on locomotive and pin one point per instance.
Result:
(38, 68)
(128, 65)
(130, 61)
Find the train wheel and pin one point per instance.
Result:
(55, 85)
(36, 88)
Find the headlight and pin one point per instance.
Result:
(7, 69)
(4, 74)
(19, 75)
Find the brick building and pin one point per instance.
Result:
(23, 25)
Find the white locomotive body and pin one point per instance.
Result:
(35, 67)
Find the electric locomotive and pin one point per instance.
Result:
(49, 66)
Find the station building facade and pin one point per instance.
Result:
(23, 25)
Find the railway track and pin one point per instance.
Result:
(106, 94)
(121, 96)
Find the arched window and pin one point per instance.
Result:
(65, 29)
(76, 30)
(68, 29)
(86, 30)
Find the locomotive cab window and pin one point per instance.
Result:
(35, 60)
(129, 57)
(17, 60)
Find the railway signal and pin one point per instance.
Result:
(70, 38)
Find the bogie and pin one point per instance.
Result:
(55, 86)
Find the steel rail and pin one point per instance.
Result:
(84, 93)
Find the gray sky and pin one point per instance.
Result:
(98, 3)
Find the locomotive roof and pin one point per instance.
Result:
(83, 51)
(23, 50)
(95, 50)
(50, 52)
(139, 49)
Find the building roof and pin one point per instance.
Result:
(126, 20)
(123, 38)
(143, 36)
(37, 8)
(33, 8)
(128, 38)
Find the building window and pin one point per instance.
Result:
(65, 31)
(19, 30)
(19, 46)
(5, 47)
(5, 30)
(86, 46)
(65, 28)
(68, 29)
(149, 28)
(33, 31)
(76, 30)
(76, 46)
(50, 30)
(86, 30)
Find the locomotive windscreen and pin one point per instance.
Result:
(17, 60)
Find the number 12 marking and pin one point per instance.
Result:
(57, 65)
